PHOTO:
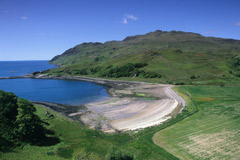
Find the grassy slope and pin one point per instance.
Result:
(175, 55)
(213, 132)
(76, 138)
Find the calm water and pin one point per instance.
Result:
(57, 91)
(20, 68)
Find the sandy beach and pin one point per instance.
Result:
(130, 112)
(131, 105)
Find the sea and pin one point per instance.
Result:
(48, 90)
(20, 68)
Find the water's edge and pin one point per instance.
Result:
(116, 90)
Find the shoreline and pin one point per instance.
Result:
(130, 106)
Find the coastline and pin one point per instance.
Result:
(131, 106)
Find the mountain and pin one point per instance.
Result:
(161, 56)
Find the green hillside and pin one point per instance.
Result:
(166, 57)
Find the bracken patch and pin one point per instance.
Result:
(222, 145)
(205, 99)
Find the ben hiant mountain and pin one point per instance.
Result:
(173, 56)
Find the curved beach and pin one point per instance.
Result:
(124, 113)
(131, 106)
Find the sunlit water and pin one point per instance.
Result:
(20, 68)
(56, 91)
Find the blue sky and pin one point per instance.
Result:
(41, 29)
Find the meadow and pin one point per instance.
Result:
(213, 132)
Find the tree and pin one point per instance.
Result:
(29, 124)
(8, 108)
(8, 112)
(18, 121)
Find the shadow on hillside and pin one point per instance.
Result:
(48, 139)
(42, 137)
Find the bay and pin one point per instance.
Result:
(48, 90)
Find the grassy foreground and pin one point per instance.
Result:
(208, 128)
(77, 140)
(213, 132)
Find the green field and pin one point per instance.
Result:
(213, 132)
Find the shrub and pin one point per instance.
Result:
(179, 83)
(193, 77)
(234, 64)
(115, 154)
(140, 65)
(178, 51)
(80, 72)
(95, 69)
(150, 74)
(76, 71)
(222, 85)
(84, 155)
(35, 73)
(110, 66)
(96, 59)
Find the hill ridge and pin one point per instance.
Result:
(173, 56)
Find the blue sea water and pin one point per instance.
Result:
(20, 68)
(49, 90)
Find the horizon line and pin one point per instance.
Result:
(23, 60)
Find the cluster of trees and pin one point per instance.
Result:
(116, 154)
(127, 70)
(75, 71)
(18, 121)
(150, 74)
(235, 66)
(97, 59)
(95, 69)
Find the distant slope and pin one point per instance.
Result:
(173, 56)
